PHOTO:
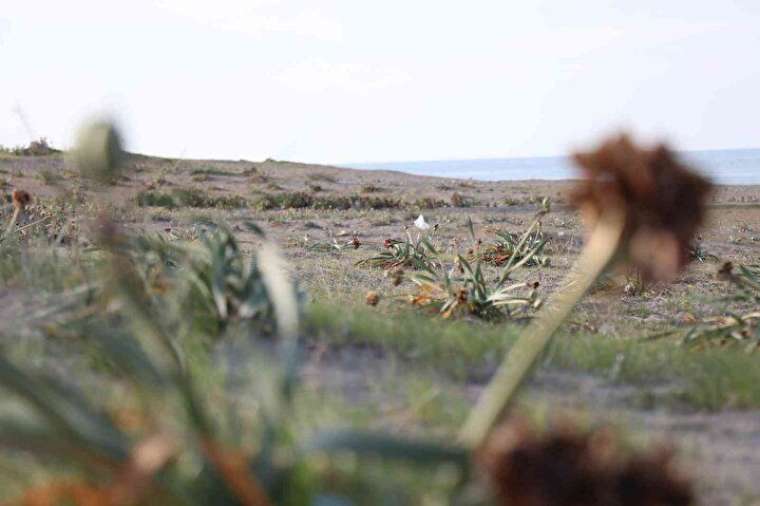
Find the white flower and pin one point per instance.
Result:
(421, 223)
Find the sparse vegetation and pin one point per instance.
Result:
(39, 147)
(189, 197)
(302, 200)
(129, 330)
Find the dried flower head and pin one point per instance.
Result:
(567, 467)
(663, 201)
(21, 199)
(372, 298)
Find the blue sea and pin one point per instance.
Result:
(727, 166)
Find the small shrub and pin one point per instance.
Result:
(470, 293)
(512, 247)
(370, 188)
(459, 200)
(50, 177)
(189, 197)
(40, 147)
(429, 203)
(155, 199)
(301, 200)
(416, 253)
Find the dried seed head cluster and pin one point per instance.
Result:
(21, 199)
(566, 467)
(663, 201)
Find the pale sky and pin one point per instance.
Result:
(352, 80)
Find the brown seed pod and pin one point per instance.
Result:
(663, 200)
(372, 298)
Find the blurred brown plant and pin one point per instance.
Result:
(662, 199)
(569, 467)
(55, 494)
(21, 199)
(372, 298)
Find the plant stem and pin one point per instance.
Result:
(493, 402)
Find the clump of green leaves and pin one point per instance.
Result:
(731, 328)
(418, 253)
(465, 290)
(510, 245)
(746, 278)
(698, 253)
(510, 248)
(211, 280)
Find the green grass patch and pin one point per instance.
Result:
(709, 379)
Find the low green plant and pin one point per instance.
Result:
(209, 280)
(418, 253)
(189, 197)
(371, 188)
(468, 292)
(302, 200)
(429, 203)
(49, 177)
(732, 328)
(699, 254)
(509, 245)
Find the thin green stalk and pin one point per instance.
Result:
(598, 252)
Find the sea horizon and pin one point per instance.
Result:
(724, 166)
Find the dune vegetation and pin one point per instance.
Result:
(258, 333)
